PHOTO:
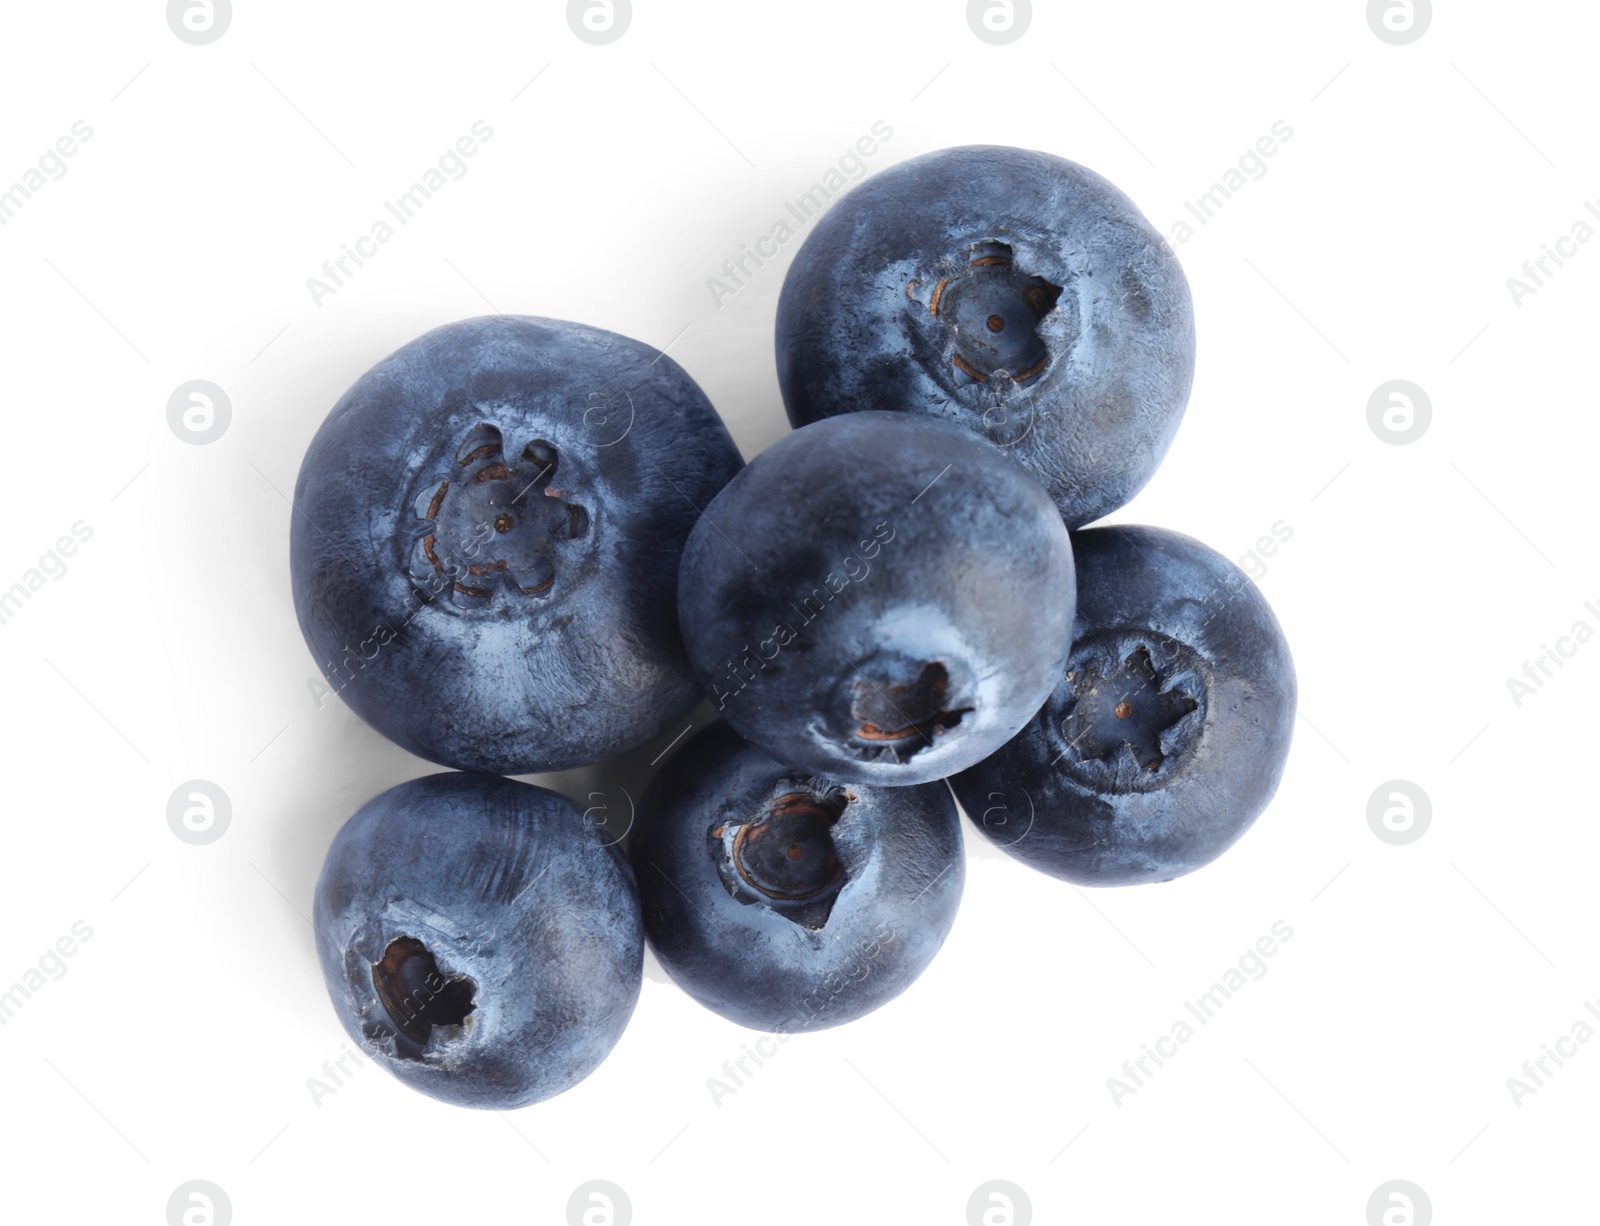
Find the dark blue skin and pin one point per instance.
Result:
(1169, 730)
(486, 538)
(480, 938)
(1015, 293)
(788, 902)
(878, 598)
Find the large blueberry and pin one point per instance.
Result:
(486, 537)
(1168, 732)
(1015, 293)
(879, 598)
(789, 902)
(480, 938)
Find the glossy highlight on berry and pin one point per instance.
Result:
(879, 598)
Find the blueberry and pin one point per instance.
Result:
(486, 538)
(1168, 732)
(789, 902)
(879, 598)
(479, 938)
(1015, 293)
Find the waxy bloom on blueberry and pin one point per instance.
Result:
(480, 938)
(879, 598)
(1014, 293)
(485, 542)
(1168, 731)
(787, 901)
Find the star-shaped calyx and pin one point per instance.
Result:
(1122, 705)
(494, 522)
(991, 310)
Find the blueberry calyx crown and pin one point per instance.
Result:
(491, 524)
(900, 707)
(990, 311)
(416, 997)
(784, 858)
(1131, 710)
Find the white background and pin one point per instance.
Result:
(179, 1042)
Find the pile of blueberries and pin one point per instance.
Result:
(522, 545)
